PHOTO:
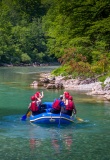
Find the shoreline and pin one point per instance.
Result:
(89, 86)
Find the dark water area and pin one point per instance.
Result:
(21, 140)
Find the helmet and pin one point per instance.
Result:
(70, 98)
(66, 94)
(37, 94)
(32, 98)
(61, 96)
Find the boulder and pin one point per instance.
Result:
(59, 85)
(107, 80)
(107, 97)
(50, 86)
(107, 87)
(40, 83)
(34, 83)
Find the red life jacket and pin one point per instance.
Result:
(34, 106)
(56, 104)
(70, 105)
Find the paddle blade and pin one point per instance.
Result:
(29, 114)
(79, 119)
(23, 118)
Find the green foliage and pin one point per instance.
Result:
(77, 33)
(61, 71)
(84, 26)
(102, 78)
(25, 58)
(21, 32)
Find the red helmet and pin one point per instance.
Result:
(32, 98)
(37, 94)
(66, 94)
(70, 98)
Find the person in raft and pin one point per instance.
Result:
(70, 106)
(38, 97)
(34, 106)
(66, 96)
(57, 105)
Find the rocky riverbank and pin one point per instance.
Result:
(90, 85)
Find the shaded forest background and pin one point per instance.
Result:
(74, 32)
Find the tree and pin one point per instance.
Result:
(25, 58)
(84, 25)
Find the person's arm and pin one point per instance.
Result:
(29, 106)
(42, 94)
(38, 102)
(74, 108)
(66, 102)
(62, 104)
(28, 109)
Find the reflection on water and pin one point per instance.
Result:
(51, 142)
(35, 137)
(68, 140)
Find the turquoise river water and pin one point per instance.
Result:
(20, 140)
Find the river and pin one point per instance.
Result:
(20, 140)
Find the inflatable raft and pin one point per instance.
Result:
(50, 118)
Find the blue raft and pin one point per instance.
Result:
(50, 118)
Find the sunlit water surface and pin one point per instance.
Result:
(20, 140)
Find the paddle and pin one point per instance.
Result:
(79, 119)
(28, 113)
(59, 119)
(23, 118)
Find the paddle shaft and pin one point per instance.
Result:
(59, 119)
